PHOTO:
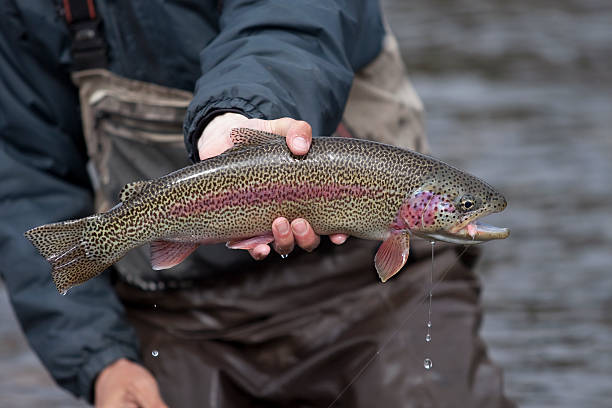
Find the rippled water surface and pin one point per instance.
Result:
(519, 93)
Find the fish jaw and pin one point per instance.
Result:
(474, 232)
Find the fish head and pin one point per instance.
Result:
(448, 207)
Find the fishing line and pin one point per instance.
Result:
(395, 332)
(155, 351)
(427, 362)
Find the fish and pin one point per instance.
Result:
(357, 187)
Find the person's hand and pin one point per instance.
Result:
(216, 139)
(128, 385)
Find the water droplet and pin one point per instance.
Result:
(155, 306)
(155, 353)
(429, 323)
(284, 256)
(428, 337)
(427, 364)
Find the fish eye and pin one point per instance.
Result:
(467, 202)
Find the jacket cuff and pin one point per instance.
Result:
(196, 122)
(96, 363)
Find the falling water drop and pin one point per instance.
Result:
(155, 353)
(155, 306)
(284, 256)
(427, 363)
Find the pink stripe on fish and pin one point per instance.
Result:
(270, 193)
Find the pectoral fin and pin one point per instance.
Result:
(392, 255)
(166, 254)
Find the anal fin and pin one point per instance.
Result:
(392, 255)
(166, 254)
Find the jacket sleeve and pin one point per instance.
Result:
(279, 58)
(42, 180)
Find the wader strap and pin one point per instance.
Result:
(88, 46)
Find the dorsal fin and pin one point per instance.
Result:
(245, 137)
(131, 190)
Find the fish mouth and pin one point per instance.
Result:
(473, 232)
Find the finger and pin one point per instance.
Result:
(278, 126)
(304, 235)
(283, 236)
(152, 400)
(299, 137)
(338, 239)
(259, 252)
(130, 400)
(146, 394)
(297, 132)
(119, 399)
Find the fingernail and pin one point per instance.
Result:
(299, 227)
(300, 143)
(283, 227)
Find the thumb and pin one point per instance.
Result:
(297, 132)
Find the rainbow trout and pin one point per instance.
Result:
(356, 187)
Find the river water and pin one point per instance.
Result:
(520, 94)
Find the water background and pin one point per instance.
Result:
(520, 93)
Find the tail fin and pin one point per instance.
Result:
(63, 245)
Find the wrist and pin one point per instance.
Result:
(125, 383)
(96, 362)
(109, 369)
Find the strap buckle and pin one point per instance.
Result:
(89, 49)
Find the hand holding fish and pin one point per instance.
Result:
(216, 139)
(127, 384)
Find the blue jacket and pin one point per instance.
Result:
(266, 58)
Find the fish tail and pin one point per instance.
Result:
(63, 244)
